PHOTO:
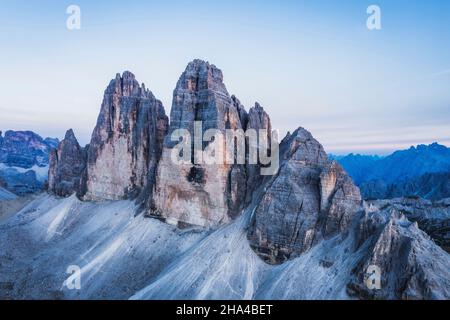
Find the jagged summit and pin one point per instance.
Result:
(201, 75)
(204, 195)
(70, 135)
(125, 144)
(126, 85)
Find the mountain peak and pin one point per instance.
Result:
(126, 85)
(70, 135)
(201, 75)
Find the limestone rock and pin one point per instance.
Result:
(198, 193)
(67, 164)
(257, 119)
(432, 217)
(126, 143)
(340, 199)
(309, 199)
(409, 265)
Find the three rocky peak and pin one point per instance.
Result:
(129, 157)
(129, 153)
(309, 204)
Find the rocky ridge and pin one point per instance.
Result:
(308, 204)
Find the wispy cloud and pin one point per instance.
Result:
(441, 73)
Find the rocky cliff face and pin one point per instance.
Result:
(132, 135)
(126, 142)
(257, 119)
(67, 164)
(308, 200)
(432, 217)
(194, 192)
(410, 265)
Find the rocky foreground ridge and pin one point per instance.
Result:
(307, 222)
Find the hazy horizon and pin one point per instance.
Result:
(309, 64)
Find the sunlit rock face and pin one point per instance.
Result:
(67, 164)
(308, 200)
(126, 142)
(200, 194)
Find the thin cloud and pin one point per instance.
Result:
(441, 73)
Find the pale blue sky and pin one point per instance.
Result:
(309, 63)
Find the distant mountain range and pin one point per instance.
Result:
(24, 157)
(422, 171)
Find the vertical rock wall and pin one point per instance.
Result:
(126, 142)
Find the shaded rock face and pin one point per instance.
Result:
(308, 200)
(257, 119)
(200, 194)
(126, 142)
(432, 217)
(410, 265)
(339, 197)
(67, 164)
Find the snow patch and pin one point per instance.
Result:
(41, 172)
